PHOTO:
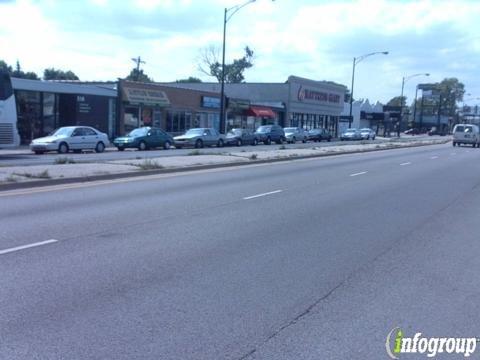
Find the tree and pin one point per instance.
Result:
(5, 67)
(451, 92)
(210, 65)
(55, 74)
(398, 101)
(18, 73)
(138, 75)
(190, 79)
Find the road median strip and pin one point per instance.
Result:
(69, 173)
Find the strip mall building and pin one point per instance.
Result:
(117, 107)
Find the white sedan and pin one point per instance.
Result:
(367, 134)
(71, 138)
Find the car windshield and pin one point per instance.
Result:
(349, 131)
(290, 130)
(138, 132)
(195, 132)
(65, 131)
(364, 130)
(235, 132)
(264, 129)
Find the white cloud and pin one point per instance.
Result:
(312, 38)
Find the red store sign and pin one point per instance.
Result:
(313, 95)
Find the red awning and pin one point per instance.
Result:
(262, 112)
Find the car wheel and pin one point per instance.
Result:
(373, 138)
(63, 148)
(294, 140)
(142, 146)
(255, 142)
(199, 144)
(304, 140)
(239, 142)
(329, 139)
(220, 143)
(100, 147)
(268, 141)
(120, 148)
(39, 152)
(166, 145)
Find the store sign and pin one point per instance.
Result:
(210, 102)
(318, 96)
(238, 104)
(83, 106)
(145, 96)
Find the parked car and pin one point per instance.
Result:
(199, 137)
(241, 137)
(71, 138)
(367, 134)
(466, 134)
(269, 133)
(294, 134)
(144, 138)
(351, 134)
(319, 135)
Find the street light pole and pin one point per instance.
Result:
(404, 80)
(356, 60)
(222, 90)
(229, 12)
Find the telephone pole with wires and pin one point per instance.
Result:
(138, 61)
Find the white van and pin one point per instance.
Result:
(466, 134)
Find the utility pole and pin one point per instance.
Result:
(138, 61)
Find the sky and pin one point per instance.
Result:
(316, 39)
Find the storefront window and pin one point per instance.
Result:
(29, 112)
(147, 116)
(131, 120)
(49, 113)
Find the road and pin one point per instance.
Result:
(307, 259)
(27, 158)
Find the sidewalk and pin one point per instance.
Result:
(10, 175)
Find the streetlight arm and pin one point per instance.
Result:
(406, 78)
(360, 58)
(235, 9)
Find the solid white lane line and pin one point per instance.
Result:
(260, 195)
(23, 247)
(360, 173)
(434, 157)
(405, 163)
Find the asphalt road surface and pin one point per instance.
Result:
(307, 259)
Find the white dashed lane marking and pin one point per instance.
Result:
(28, 246)
(261, 195)
(359, 173)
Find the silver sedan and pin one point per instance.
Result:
(71, 138)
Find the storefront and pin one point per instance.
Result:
(296, 102)
(43, 106)
(172, 109)
(247, 115)
(315, 104)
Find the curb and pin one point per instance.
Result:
(86, 179)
